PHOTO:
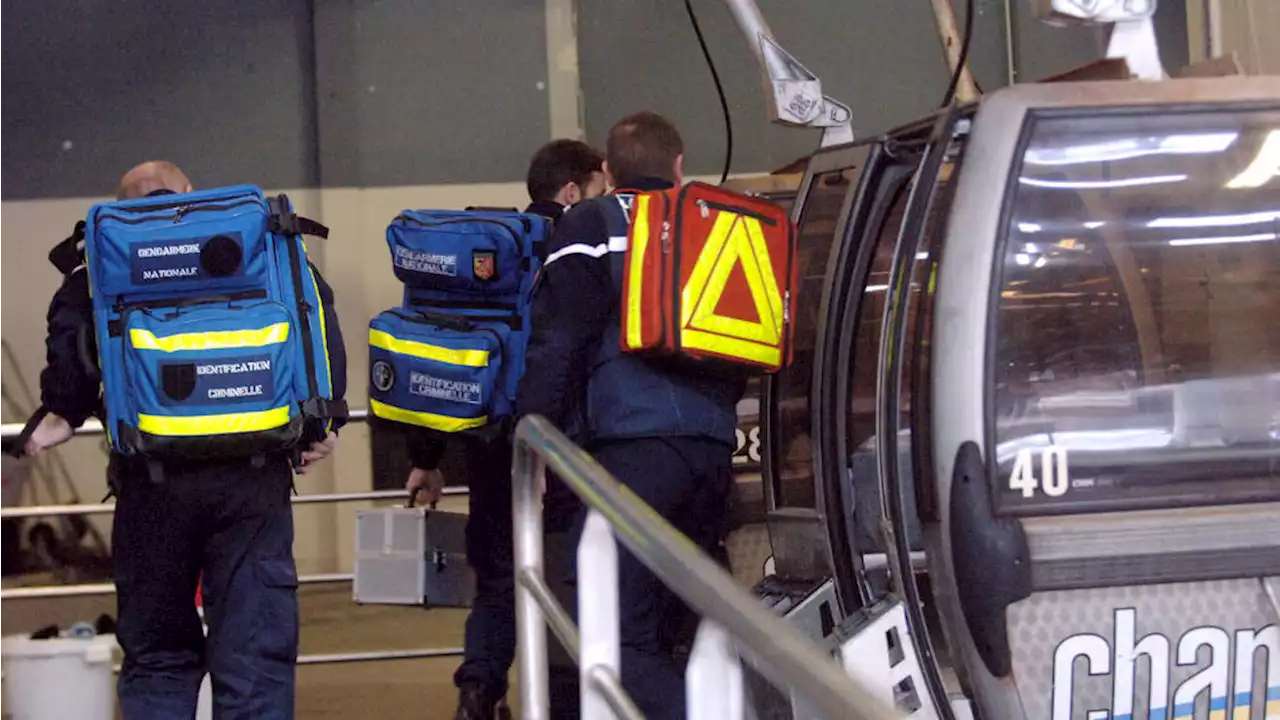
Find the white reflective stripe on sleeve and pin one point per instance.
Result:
(616, 244)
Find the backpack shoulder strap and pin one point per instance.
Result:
(617, 212)
(285, 221)
(68, 255)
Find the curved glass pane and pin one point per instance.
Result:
(746, 458)
(816, 232)
(1137, 346)
(861, 427)
(914, 407)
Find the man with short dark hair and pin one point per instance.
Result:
(666, 434)
(560, 174)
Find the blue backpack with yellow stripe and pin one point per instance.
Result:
(209, 325)
(450, 356)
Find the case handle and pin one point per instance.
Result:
(19, 449)
(408, 502)
(452, 322)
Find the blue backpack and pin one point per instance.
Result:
(450, 356)
(209, 325)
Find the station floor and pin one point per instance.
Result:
(419, 689)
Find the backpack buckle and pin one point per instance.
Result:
(287, 222)
(282, 223)
(324, 408)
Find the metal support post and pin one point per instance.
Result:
(535, 701)
(713, 682)
(598, 619)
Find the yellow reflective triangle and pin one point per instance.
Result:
(734, 239)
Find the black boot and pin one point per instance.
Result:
(478, 702)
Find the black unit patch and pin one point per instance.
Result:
(382, 375)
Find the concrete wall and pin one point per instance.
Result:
(361, 109)
(339, 93)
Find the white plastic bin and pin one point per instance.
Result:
(59, 678)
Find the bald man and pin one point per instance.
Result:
(153, 177)
(227, 525)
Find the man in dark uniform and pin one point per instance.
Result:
(667, 435)
(225, 524)
(561, 173)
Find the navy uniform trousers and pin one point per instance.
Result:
(687, 481)
(490, 646)
(230, 524)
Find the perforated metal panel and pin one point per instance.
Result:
(1090, 653)
(391, 545)
(412, 556)
(749, 549)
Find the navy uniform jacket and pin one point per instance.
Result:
(69, 388)
(570, 359)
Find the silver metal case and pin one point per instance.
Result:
(412, 556)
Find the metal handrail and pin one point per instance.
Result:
(93, 427)
(45, 592)
(108, 508)
(734, 621)
(54, 591)
(375, 656)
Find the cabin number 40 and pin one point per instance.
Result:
(1044, 470)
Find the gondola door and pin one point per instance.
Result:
(877, 426)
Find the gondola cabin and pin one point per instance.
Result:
(1032, 434)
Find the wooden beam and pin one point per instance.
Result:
(1105, 69)
(564, 88)
(1225, 66)
(949, 34)
(795, 167)
(764, 183)
(1197, 31)
(1145, 324)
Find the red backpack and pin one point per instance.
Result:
(709, 275)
